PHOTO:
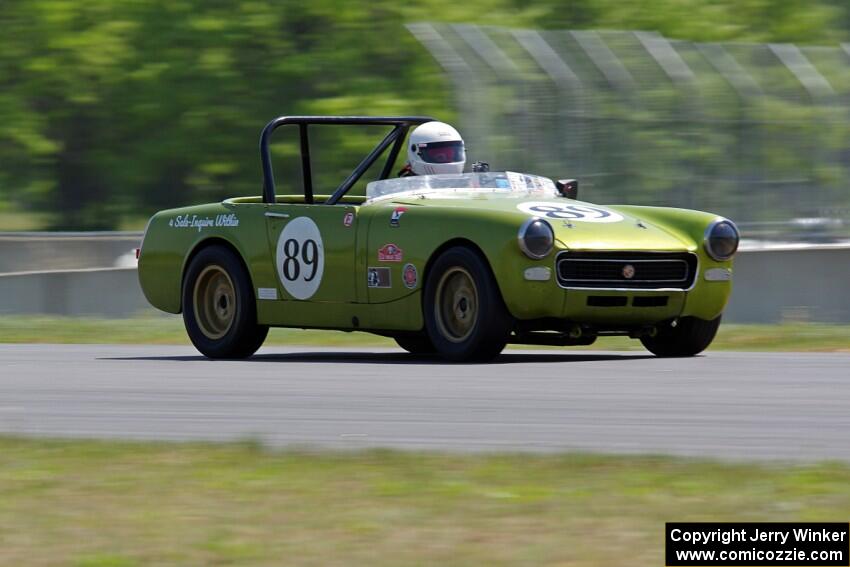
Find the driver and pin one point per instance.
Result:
(434, 147)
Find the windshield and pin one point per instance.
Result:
(507, 182)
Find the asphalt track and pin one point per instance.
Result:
(728, 405)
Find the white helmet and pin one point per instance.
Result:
(435, 147)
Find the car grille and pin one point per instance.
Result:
(648, 270)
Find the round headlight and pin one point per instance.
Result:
(536, 238)
(721, 240)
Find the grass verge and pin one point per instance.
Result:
(169, 330)
(12, 219)
(103, 504)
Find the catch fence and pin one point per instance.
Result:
(757, 132)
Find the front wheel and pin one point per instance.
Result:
(689, 337)
(219, 311)
(465, 316)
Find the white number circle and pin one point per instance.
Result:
(300, 257)
(557, 211)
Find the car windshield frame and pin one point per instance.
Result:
(508, 183)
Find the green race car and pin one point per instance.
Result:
(454, 264)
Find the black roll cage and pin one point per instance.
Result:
(400, 125)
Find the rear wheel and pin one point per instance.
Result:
(415, 344)
(218, 306)
(689, 337)
(465, 316)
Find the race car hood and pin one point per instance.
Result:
(578, 225)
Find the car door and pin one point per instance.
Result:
(313, 251)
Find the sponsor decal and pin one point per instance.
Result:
(267, 293)
(348, 219)
(395, 218)
(628, 271)
(200, 223)
(390, 253)
(300, 257)
(522, 183)
(516, 180)
(537, 182)
(410, 276)
(227, 220)
(571, 213)
(378, 277)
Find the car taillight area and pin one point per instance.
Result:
(626, 270)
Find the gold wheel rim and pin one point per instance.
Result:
(456, 306)
(214, 302)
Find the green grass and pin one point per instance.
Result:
(120, 504)
(15, 220)
(152, 329)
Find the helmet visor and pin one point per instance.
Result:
(442, 152)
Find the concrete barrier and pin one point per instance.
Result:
(101, 292)
(808, 283)
(770, 285)
(31, 251)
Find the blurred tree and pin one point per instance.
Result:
(112, 109)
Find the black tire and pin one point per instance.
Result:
(415, 344)
(689, 337)
(222, 320)
(460, 272)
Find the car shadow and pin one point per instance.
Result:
(347, 357)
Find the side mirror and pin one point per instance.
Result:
(567, 188)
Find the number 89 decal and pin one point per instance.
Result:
(580, 213)
(300, 257)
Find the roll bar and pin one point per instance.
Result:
(400, 125)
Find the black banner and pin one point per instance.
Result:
(758, 544)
